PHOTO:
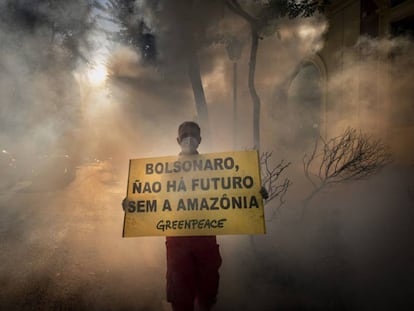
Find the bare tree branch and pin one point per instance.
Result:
(345, 158)
(236, 8)
(271, 179)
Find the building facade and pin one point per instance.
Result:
(365, 73)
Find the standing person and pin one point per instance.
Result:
(192, 261)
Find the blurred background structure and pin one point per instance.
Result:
(87, 85)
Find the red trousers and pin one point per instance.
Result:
(192, 272)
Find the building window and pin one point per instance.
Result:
(403, 27)
(395, 2)
(369, 18)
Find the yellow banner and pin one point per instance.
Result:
(207, 194)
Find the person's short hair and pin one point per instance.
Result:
(189, 126)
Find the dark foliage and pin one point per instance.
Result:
(64, 23)
(131, 31)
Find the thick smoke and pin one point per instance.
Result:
(61, 244)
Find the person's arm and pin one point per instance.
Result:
(124, 204)
(264, 193)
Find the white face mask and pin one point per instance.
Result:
(189, 144)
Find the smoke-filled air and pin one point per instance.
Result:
(322, 89)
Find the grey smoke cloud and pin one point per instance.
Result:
(63, 248)
(210, 25)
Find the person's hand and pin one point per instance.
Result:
(264, 193)
(125, 204)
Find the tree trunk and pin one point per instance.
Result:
(253, 22)
(252, 88)
(235, 105)
(198, 91)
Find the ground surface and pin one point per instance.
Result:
(62, 249)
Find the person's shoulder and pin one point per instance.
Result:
(182, 154)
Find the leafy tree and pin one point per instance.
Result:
(131, 30)
(41, 43)
(134, 31)
(64, 23)
(262, 18)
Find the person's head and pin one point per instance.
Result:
(189, 137)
